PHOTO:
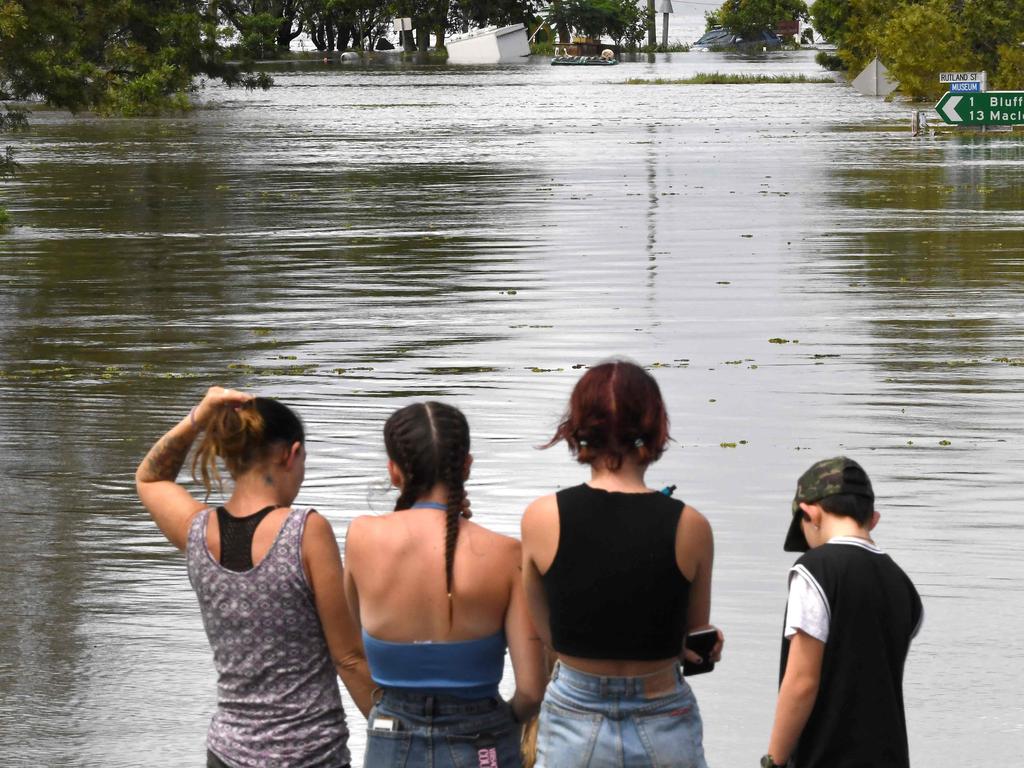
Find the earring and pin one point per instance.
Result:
(638, 443)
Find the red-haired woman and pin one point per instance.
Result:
(269, 581)
(616, 575)
(439, 599)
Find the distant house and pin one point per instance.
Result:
(720, 37)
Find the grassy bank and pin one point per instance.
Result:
(719, 78)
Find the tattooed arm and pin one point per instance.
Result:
(171, 506)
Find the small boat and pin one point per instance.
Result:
(585, 61)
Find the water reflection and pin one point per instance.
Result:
(803, 280)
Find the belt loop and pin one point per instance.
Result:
(555, 669)
(604, 687)
(429, 706)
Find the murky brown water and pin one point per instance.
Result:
(356, 238)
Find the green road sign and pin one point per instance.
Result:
(989, 108)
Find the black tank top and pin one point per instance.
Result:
(236, 534)
(614, 588)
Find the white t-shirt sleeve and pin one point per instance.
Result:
(807, 609)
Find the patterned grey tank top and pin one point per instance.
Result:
(278, 702)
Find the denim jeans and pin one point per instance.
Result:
(587, 721)
(414, 730)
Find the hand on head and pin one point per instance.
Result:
(217, 397)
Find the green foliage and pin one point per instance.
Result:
(917, 39)
(750, 17)
(829, 61)
(1010, 76)
(673, 47)
(124, 56)
(720, 78)
(914, 64)
(853, 26)
(5, 219)
(621, 20)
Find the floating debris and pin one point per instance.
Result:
(945, 442)
(778, 340)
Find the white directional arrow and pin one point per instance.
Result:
(949, 109)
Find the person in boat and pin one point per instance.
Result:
(439, 598)
(607, 55)
(269, 580)
(616, 574)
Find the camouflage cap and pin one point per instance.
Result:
(829, 477)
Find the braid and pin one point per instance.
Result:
(430, 442)
(452, 448)
(407, 442)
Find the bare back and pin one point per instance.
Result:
(396, 564)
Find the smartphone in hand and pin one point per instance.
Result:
(701, 643)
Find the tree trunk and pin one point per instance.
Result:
(423, 39)
(563, 33)
(344, 35)
(440, 37)
(331, 36)
(316, 35)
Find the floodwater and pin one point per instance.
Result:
(802, 276)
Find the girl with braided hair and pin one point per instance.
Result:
(439, 600)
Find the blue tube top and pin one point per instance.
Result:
(468, 669)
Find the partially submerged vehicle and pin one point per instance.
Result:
(721, 37)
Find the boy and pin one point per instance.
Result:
(851, 615)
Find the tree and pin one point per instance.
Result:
(327, 26)
(853, 26)
(916, 40)
(265, 27)
(618, 19)
(751, 17)
(129, 57)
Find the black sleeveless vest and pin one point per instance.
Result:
(858, 717)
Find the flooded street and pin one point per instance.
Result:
(802, 276)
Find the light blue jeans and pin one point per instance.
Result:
(415, 730)
(587, 721)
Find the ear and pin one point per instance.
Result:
(293, 454)
(466, 467)
(813, 511)
(395, 474)
(875, 517)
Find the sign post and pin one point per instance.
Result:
(981, 109)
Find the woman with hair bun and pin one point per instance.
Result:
(616, 575)
(269, 581)
(439, 599)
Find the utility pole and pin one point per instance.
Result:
(652, 35)
(664, 8)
